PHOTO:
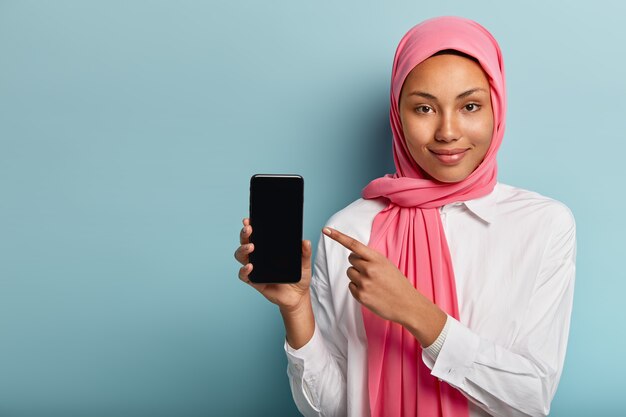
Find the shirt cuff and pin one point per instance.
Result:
(456, 358)
(303, 366)
(433, 350)
(311, 356)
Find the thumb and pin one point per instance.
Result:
(306, 255)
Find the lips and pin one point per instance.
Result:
(449, 156)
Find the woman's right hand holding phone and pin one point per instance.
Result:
(288, 297)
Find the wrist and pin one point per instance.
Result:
(301, 307)
(411, 315)
(425, 320)
(299, 322)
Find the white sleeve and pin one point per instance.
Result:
(317, 370)
(521, 379)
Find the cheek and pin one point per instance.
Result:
(416, 134)
(416, 145)
(481, 138)
(481, 132)
(415, 142)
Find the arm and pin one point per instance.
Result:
(514, 380)
(317, 382)
(520, 379)
(317, 369)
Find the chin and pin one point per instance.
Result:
(449, 178)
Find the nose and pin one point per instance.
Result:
(448, 129)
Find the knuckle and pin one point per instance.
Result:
(354, 292)
(363, 298)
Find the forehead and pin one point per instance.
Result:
(446, 72)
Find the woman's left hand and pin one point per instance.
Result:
(379, 285)
(374, 281)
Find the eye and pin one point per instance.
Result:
(472, 107)
(424, 109)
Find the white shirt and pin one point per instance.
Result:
(513, 253)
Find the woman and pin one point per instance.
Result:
(459, 304)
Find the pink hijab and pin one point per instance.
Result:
(410, 233)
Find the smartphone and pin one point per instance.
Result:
(276, 211)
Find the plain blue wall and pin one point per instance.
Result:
(129, 131)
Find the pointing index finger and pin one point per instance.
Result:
(348, 242)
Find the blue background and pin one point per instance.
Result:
(129, 131)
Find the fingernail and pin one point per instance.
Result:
(326, 231)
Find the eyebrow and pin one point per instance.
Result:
(460, 96)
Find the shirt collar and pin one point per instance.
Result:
(485, 207)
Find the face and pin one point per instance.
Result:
(446, 115)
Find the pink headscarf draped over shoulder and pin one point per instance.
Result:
(410, 233)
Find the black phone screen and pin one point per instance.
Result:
(276, 209)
